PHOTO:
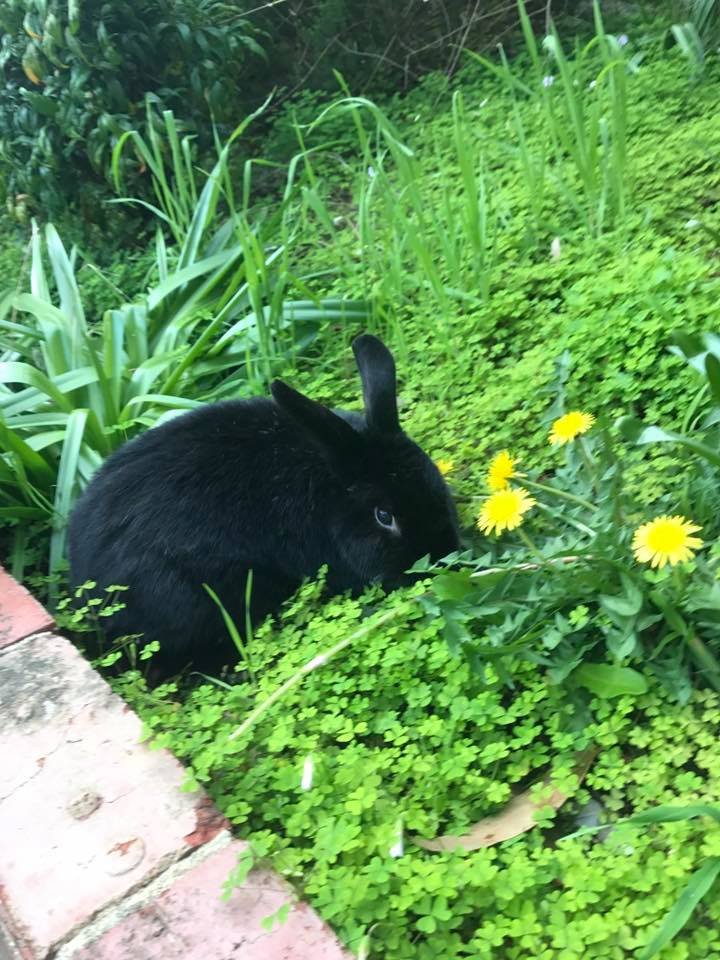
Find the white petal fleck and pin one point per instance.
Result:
(307, 776)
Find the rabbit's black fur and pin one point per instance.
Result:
(278, 486)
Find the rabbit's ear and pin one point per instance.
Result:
(337, 439)
(377, 372)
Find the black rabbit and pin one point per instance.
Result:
(279, 487)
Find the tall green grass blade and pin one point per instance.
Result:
(64, 276)
(530, 41)
(675, 814)
(38, 280)
(12, 372)
(240, 645)
(691, 44)
(698, 887)
(161, 260)
(67, 479)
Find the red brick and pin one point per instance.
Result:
(20, 614)
(87, 813)
(189, 921)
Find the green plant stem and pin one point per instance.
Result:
(319, 661)
(589, 462)
(569, 521)
(707, 662)
(527, 540)
(573, 498)
(248, 622)
(549, 562)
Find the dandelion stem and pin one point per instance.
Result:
(570, 521)
(549, 562)
(559, 493)
(527, 540)
(589, 462)
(708, 664)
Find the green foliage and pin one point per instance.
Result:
(699, 34)
(452, 208)
(86, 616)
(700, 432)
(581, 103)
(700, 883)
(403, 737)
(82, 614)
(569, 593)
(216, 323)
(77, 76)
(412, 240)
(406, 740)
(473, 376)
(14, 251)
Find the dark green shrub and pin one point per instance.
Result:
(76, 76)
(383, 46)
(380, 45)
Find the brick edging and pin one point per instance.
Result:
(102, 855)
(21, 615)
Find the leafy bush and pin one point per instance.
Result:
(78, 75)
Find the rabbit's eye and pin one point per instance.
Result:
(386, 519)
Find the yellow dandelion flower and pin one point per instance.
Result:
(666, 540)
(570, 426)
(445, 466)
(504, 510)
(500, 471)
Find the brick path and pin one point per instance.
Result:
(102, 856)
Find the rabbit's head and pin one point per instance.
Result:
(388, 505)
